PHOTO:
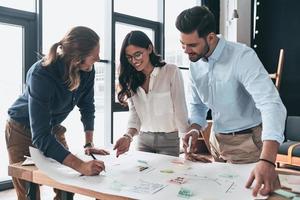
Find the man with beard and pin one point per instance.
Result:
(247, 112)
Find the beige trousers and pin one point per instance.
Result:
(18, 140)
(238, 148)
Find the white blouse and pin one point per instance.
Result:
(163, 108)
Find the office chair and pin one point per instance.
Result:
(289, 151)
(277, 76)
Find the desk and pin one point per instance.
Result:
(33, 175)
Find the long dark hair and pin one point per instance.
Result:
(130, 79)
(75, 46)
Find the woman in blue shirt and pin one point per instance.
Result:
(54, 85)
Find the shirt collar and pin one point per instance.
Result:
(218, 50)
(155, 71)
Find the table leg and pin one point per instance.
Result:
(66, 195)
(31, 190)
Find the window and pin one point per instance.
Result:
(120, 118)
(173, 51)
(55, 25)
(16, 54)
(121, 31)
(123, 23)
(146, 9)
(11, 86)
(27, 5)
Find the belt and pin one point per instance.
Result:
(245, 131)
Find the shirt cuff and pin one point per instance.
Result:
(134, 125)
(198, 120)
(275, 137)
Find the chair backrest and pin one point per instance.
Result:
(292, 128)
(277, 76)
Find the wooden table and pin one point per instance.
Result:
(35, 177)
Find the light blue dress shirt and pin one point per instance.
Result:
(236, 87)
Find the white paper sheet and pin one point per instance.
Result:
(143, 175)
(28, 161)
(290, 181)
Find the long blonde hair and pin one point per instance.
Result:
(75, 46)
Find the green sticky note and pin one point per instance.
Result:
(185, 193)
(285, 193)
(296, 198)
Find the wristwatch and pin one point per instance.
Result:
(129, 136)
(89, 144)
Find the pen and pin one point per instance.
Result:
(91, 154)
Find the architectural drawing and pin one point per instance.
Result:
(141, 175)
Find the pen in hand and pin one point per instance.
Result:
(91, 154)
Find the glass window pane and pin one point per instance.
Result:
(120, 124)
(120, 127)
(79, 13)
(147, 9)
(11, 51)
(26, 5)
(173, 51)
(121, 31)
(75, 134)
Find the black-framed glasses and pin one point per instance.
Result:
(136, 56)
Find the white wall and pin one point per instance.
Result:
(244, 21)
(236, 30)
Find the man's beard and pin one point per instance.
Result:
(201, 55)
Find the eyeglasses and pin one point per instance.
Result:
(136, 56)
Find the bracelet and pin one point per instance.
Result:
(89, 144)
(265, 160)
(196, 130)
(128, 136)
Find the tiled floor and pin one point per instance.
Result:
(46, 194)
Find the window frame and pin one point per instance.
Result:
(28, 20)
(158, 29)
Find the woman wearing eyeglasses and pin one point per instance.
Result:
(154, 92)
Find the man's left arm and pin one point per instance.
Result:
(264, 172)
(258, 84)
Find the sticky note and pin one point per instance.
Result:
(185, 193)
(285, 193)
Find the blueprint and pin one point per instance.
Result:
(141, 175)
